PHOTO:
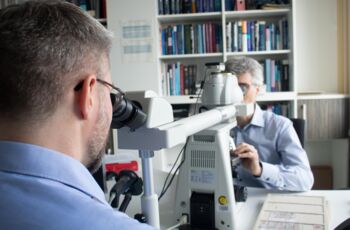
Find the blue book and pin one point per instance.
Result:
(252, 35)
(278, 76)
(178, 79)
(268, 75)
(173, 79)
(199, 6)
(164, 45)
(278, 38)
(285, 34)
(166, 9)
(272, 37)
(262, 45)
(249, 37)
(220, 38)
(217, 5)
(205, 6)
(174, 40)
(179, 39)
(160, 7)
(229, 5)
(199, 34)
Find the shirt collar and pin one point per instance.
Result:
(41, 162)
(258, 117)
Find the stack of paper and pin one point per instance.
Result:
(292, 211)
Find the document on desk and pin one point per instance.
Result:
(293, 211)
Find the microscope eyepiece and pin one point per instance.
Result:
(128, 113)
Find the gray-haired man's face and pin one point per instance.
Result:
(246, 83)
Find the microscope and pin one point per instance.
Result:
(204, 191)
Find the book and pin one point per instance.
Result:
(229, 5)
(240, 5)
(244, 36)
(229, 36)
(285, 75)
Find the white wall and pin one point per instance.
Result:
(128, 71)
(316, 45)
(333, 153)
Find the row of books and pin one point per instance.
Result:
(191, 39)
(201, 6)
(245, 36)
(96, 8)
(188, 6)
(277, 108)
(178, 79)
(276, 75)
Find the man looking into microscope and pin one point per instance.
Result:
(267, 144)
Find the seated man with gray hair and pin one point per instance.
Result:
(267, 144)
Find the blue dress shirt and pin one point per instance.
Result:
(285, 165)
(44, 189)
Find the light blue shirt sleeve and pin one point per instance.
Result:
(285, 165)
(293, 172)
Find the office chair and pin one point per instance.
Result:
(299, 126)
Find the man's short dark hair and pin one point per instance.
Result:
(45, 47)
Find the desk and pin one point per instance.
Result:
(247, 212)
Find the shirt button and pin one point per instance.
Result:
(268, 178)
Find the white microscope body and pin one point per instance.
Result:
(205, 186)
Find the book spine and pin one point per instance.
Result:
(267, 39)
(192, 39)
(285, 75)
(272, 76)
(268, 75)
(261, 35)
(235, 36)
(240, 5)
(174, 40)
(244, 36)
(239, 36)
(252, 35)
(182, 80)
(186, 82)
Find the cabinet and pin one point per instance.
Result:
(178, 43)
(327, 117)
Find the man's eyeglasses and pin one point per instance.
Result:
(116, 97)
(244, 87)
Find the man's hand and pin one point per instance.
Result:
(249, 158)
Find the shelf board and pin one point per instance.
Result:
(319, 96)
(170, 18)
(185, 99)
(266, 97)
(277, 96)
(259, 53)
(184, 56)
(256, 13)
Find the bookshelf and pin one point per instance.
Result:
(170, 53)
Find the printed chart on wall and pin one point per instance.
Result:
(136, 41)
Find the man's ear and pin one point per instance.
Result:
(86, 96)
(257, 88)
